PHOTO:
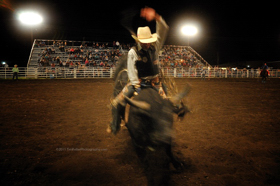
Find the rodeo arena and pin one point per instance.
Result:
(78, 115)
(56, 119)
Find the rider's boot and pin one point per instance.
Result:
(161, 88)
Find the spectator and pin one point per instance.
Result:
(57, 60)
(15, 72)
(96, 56)
(61, 48)
(52, 50)
(265, 67)
(114, 44)
(53, 66)
(203, 72)
(72, 50)
(71, 65)
(86, 62)
(117, 45)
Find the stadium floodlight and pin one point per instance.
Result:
(30, 18)
(189, 30)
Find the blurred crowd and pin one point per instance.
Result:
(174, 56)
(97, 54)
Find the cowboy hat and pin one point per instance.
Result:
(144, 35)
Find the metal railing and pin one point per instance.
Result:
(99, 72)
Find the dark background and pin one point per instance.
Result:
(229, 31)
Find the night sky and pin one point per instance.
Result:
(229, 31)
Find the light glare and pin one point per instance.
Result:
(189, 30)
(30, 18)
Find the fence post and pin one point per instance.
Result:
(175, 73)
(5, 74)
(111, 72)
(226, 73)
(36, 73)
(75, 74)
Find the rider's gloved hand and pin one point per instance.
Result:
(137, 88)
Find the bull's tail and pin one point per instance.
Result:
(178, 97)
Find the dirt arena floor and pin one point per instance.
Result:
(53, 132)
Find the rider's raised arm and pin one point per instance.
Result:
(161, 27)
(162, 30)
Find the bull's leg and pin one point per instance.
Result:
(140, 151)
(157, 166)
(179, 166)
(117, 114)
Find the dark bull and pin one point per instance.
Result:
(150, 124)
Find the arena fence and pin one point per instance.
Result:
(96, 72)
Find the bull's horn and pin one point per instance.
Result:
(139, 104)
(178, 97)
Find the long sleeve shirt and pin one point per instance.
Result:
(161, 30)
(15, 69)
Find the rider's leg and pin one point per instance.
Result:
(118, 107)
(164, 87)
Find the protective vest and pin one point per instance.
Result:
(147, 63)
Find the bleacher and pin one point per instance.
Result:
(44, 53)
(57, 53)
